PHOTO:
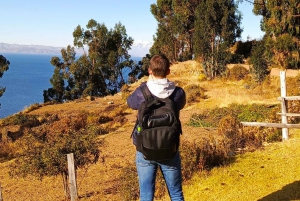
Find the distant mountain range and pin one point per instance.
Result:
(138, 49)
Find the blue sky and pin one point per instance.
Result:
(51, 23)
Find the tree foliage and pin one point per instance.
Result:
(281, 22)
(174, 34)
(140, 69)
(99, 71)
(259, 61)
(4, 66)
(200, 29)
(217, 27)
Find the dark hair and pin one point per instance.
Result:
(159, 64)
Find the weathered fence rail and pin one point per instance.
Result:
(284, 113)
(277, 125)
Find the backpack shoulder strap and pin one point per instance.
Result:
(146, 93)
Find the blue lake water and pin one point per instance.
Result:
(27, 77)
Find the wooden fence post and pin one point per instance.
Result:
(72, 177)
(285, 131)
(1, 198)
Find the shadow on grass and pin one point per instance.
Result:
(287, 193)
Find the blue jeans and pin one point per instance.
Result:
(171, 170)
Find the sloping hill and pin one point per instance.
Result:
(101, 181)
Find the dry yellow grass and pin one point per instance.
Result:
(101, 181)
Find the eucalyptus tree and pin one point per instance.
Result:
(259, 61)
(175, 28)
(165, 41)
(4, 66)
(99, 71)
(186, 15)
(217, 27)
(61, 76)
(281, 24)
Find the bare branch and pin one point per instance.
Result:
(254, 2)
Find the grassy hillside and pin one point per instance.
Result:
(267, 174)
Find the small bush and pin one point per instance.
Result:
(6, 151)
(98, 129)
(253, 112)
(229, 128)
(209, 118)
(274, 136)
(194, 93)
(257, 112)
(92, 119)
(129, 185)
(32, 107)
(293, 106)
(79, 121)
(118, 111)
(40, 158)
(202, 77)
(228, 122)
(24, 120)
(251, 138)
(125, 90)
(293, 85)
(98, 118)
(202, 154)
(238, 72)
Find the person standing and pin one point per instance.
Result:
(160, 87)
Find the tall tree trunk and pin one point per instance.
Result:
(212, 58)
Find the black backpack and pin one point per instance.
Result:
(158, 127)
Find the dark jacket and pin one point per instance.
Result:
(136, 98)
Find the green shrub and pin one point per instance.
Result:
(257, 112)
(209, 118)
(274, 136)
(228, 122)
(253, 112)
(258, 61)
(40, 158)
(24, 120)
